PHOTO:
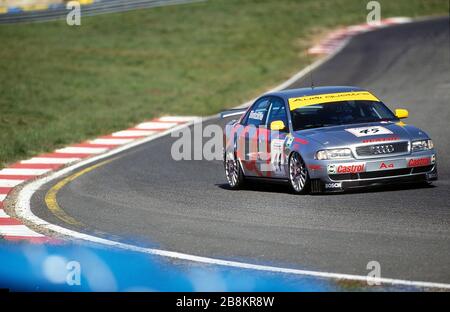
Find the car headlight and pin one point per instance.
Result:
(338, 153)
(421, 145)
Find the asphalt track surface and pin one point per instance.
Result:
(185, 206)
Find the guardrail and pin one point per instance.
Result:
(59, 11)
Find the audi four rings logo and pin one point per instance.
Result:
(382, 149)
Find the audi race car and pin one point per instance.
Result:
(325, 139)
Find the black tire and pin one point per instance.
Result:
(233, 171)
(298, 174)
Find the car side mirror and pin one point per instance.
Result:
(277, 125)
(401, 113)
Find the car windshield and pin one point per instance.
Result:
(340, 113)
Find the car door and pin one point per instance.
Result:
(272, 163)
(254, 127)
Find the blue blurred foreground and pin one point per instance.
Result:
(32, 267)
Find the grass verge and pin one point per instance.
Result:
(62, 84)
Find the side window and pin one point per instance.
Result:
(258, 113)
(277, 111)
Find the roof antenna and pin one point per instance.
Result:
(312, 80)
(310, 69)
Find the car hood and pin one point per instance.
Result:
(357, 133)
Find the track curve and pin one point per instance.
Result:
(185, 206)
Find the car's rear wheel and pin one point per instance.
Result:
(298, 174)
(233, 171)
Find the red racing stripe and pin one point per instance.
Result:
(9, 221)
(153, 129)
(35, 166)
(122, 137)
(94, 145)
(87, 144)
(65, 155)
(301, 141)
(157, 120)
(16, 177)
(5, 190)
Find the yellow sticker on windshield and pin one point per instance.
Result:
(295, 103)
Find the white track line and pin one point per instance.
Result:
(111, 141)
(151, 125)
(23, 171)
(49, 160)
(126, 133)
(9, 183)
(82, 150)
(177, 118)
(18, 230)
(2, 197)
(23, 210)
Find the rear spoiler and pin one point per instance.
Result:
(232, 112)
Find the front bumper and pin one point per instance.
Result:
(341, 175)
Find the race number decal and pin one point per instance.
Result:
(367, 131)
(276, 155)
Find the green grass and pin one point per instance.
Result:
(61, 84)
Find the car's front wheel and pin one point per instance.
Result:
(233, 171)
(298, 174)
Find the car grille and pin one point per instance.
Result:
(422, 169)
(385, 173)
(382, 149)
(380, 174)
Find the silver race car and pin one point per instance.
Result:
(325, 139)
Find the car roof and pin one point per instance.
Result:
(293, 93)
